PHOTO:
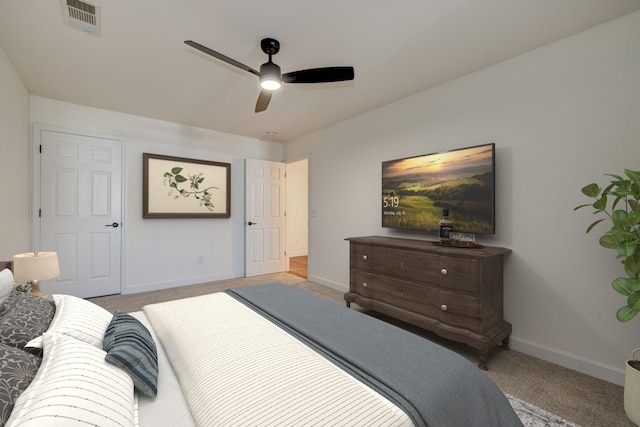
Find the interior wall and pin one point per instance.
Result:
(159, 252)
(14, 162)
(561, 117)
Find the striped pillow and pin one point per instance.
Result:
(129, 346)
(75, 387)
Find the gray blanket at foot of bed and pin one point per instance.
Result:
(434, 386)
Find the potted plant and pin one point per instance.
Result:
(620, 203)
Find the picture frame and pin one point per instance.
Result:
(177, 187)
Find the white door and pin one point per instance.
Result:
(80, 211)
(264, 217)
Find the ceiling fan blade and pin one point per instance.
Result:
(263, 100)
(319, 75)
(221, 57)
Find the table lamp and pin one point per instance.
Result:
(35, 266)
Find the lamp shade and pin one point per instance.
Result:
(35, 266)
(270, 76)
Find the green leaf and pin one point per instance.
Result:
(624, 314)
(623, 286)
(633, 175)
(610, 240)
(591, 190)
(634, 301)
(619, 216)
(176, 170)
(626, 249)
(617, 177)
(632, 266)
(600, 204)
(180, 178)
(594, 224)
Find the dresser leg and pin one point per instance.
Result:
(348, 304)
(505, 343)
(483, 356)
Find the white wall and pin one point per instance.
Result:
(561, 116)
(14, 162)
(160, 253)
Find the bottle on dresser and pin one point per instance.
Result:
(446, 227)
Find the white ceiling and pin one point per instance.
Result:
(140, 65)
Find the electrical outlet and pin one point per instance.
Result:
(200, 260)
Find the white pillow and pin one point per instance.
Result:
(6, 285)
(75, 386)
(80, 319)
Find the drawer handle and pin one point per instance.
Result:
(364, 257)
(444, 272)
(444, 307)
(364, 284)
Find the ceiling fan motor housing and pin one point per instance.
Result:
(270, 46)
(270, 76)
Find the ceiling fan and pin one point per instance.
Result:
(270, 75)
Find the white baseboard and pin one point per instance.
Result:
(294, 254)
(612, 374)
(328, 283)
(156, 286)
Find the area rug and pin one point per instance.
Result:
(532, 416)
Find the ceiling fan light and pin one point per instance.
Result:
(270, 76)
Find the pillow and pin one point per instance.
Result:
(6, 285)
(17, 369)
(25, 317)
(80, 319)
(75, 387)
(129, 346)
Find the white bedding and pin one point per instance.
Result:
(237, 368)
(169, 408)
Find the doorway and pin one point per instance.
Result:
(77, 198)
(298, 216)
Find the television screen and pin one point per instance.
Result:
(415, 190)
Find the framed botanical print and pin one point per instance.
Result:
(176, 187)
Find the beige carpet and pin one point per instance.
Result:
(585, 400)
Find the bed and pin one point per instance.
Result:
(263, 355)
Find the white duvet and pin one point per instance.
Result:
(237, 368)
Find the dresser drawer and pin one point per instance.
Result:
(461, 274)
(362, 256)
(416, 298)
(409, 265)
(458, 273)
(460, 310)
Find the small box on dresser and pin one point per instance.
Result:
(456, 293)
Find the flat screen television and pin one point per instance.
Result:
(415, 190)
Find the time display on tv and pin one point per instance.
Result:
(415, 190)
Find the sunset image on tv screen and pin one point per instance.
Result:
(415, 190)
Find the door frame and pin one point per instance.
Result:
(36, 139)
(303, 156)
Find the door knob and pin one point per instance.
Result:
(251, 223)
(114, 225)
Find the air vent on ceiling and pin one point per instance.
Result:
(82, 15)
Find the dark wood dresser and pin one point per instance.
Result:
(453, 292)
